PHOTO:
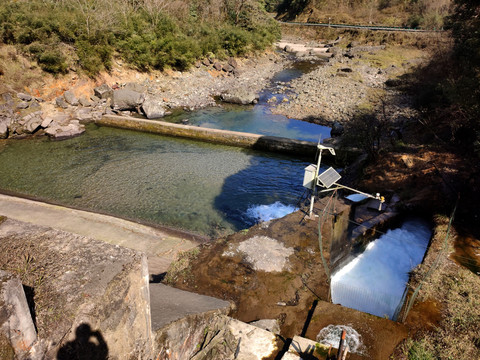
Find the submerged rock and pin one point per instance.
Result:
(240, 96)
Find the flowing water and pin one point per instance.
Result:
(204, 188)
(258, 119)
(375, 281)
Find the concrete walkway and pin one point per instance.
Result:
(160, 247)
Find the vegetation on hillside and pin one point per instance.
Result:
(147, 34)
(424, 14)
(447, 89)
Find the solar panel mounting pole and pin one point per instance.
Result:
(320, 147)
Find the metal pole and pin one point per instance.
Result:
(312, 199)
(341, 345)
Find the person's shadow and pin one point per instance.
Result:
(87, 345)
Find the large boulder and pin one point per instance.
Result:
(135, 87)
(240, 96)
(153, 108)
(70, 98)
(33, 124)
(60, 102)
(61, 132)
(103, 91)
(127, 99)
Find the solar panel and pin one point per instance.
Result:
(328, 177)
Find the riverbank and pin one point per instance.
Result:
(352, 79)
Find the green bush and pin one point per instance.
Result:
(144, 40)
(93, 58)
(53, 62)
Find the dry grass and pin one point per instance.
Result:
(458, 292)
(181, 267)
(16, 72)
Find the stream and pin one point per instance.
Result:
(208, 189)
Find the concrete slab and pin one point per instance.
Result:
(170, 304)
(160, 247)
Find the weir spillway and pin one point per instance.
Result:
(375, 281)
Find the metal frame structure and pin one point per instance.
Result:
(328, 178)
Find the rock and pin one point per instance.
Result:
(84, 102)
(7, 97)
(34, 105)
(233, 63)
(228, 68)
(60, 102)
(33, 124)
(127, 99)
(217, 66)
(24, 97)
(16, 323)
(206, 62)
(103, 91)
(240, 96)
(3, 130)
(346, 70)
(337, 129)
(23, 105)
(97, 293)
(95, 99)
(70, 98)
(198, 63)
(272, 100)
(59, 132)
(153, 108)
(135, 87)
(46, 122)
(84, 114)
(271, 325)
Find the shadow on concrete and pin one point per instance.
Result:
(87, 345)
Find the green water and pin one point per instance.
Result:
(204, 188)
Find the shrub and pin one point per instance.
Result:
(93, 58)
(53, 62)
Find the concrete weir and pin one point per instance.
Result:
(224, 137)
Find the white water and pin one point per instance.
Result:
(331, 335)
(262, 213)
(375, 281)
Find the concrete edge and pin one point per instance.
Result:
(217, 136)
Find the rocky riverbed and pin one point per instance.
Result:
(352, 79)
